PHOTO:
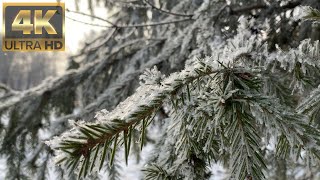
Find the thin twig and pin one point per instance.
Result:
(129, 25)
(92, 16)
(167, 12)
(90, 24)
(155, 24)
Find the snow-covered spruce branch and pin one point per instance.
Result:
(75, 76)
(50, 85)
(135, 111)
(49, 91)
(89, 144)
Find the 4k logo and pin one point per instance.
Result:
(33, 27)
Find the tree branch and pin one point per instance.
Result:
(6, 88)
(167, 12)
(129, 25)
(129, 113)
(93, 16)
(8, 92)
(72, 76)
(89, 24)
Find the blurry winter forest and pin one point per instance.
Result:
(169, 89)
